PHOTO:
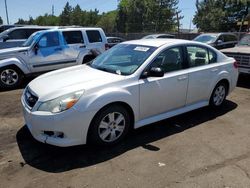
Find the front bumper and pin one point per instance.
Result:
(73, 124)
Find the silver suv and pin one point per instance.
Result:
(49, 50)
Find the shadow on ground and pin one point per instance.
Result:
(55, 159)
(244, 81)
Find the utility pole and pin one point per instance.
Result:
(178, 22)
(53, 10)
(6, 9)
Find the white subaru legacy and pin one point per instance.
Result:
(131, 85)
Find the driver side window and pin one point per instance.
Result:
(169, 60)
(49, 40)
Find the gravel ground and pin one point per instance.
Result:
(202, 148)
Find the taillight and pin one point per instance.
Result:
(106, 46)
(236, 65)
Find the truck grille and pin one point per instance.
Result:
(243, 60)
(30, 98)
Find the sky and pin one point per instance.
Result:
(25, 8)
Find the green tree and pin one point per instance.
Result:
(1, 20)
(147, 15)
(76, 15)
(108, 21)
(219, 15)
(65, 16)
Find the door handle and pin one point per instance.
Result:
(214, 70)
(58, 49)
(182, 78)
(83, 46)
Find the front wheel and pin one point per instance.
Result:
(219, 95)
(10, 77)
(110, 125)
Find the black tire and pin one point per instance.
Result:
(218, 95)
(87, 59)
(96, 129)
(10, 77)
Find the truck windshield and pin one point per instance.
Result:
(245, 41)
(32, 39)
(122, 59)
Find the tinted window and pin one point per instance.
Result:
(17, 34)
(94, 36)
(197, 56)
(165, 36)
(31, 31)
(230, 38)
(169, 60)
(49, 40)
(73, 37)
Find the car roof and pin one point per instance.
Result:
(160, 42)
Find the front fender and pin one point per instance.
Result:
(107, 96)
(14, 61)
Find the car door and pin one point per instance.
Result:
(73, 46)
(47, 53)
(202, 73)
(163, 94)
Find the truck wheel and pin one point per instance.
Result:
(10, 77)
(110, 125)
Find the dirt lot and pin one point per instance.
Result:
(203, 148)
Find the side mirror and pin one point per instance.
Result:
(219, 41)
(36, 48)
(153, 72)
(5, 38)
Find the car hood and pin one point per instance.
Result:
(64, 81)
(11, 52)
(237, 49)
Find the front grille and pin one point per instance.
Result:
(242, 59)
(30, 98)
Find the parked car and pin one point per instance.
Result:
(112, 41)
(157, 36)
(16, 36)
(133, 84)
(5, 27)
(49, 50)
(218, 40)
(241, 53)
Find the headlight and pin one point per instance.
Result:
(62, 103)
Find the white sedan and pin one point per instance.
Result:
(133, 84)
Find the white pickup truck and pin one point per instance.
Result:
(50, 50)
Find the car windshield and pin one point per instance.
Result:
(123, 59)
(245, 41)
(206, 38)
(31, 39)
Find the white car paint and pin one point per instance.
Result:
(151, 99)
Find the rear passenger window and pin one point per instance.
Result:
(94, 36)
(73, 37)
(197, 56)
(169, 60)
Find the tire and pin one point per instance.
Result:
(10, 77)
(218, 95)
(110, 125)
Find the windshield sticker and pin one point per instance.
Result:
(142, 49)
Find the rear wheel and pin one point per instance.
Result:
(10, 77)
(219, 95)
(110, 125)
